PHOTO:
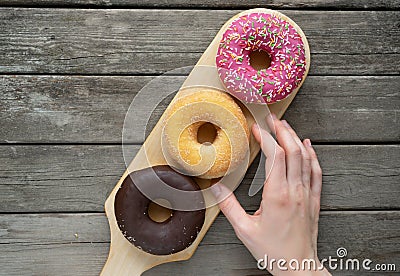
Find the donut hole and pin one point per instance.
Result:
(260, 60)
(207, 133)
(159, 213)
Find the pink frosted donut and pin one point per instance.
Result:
(272, 34)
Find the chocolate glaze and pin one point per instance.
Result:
(159, 238)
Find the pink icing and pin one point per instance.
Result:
(256, 32)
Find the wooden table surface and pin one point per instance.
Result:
(70, 68)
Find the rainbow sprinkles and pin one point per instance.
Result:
(261, 32)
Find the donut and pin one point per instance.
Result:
(131, 211)
(274, 34)
(211, 159)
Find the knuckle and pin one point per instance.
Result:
(295, 151)
(306, 156)
(284, 196)
(318, 171)
(279, 153)
(317, 203)
(299, 196)
(313, 154)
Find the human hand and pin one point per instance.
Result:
(286, 224)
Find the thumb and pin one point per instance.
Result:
(230, 206)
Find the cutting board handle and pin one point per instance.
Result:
(124, 265)
(124, 259)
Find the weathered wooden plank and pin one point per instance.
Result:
(54, 244)
(71, 109)
(64, 178)
(94, 41)
(331, 4)
(73, 173)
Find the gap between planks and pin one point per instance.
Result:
(349, 211)
(214, 5)
(107, 143)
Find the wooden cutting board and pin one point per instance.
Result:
(124, 258)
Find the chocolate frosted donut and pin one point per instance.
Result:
(131, 210)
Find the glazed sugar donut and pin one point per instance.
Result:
(131, 211)
(209, 160)
(284, 42)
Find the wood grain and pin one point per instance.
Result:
(281, 4)
(91, 109)
(78, 244)
(131, 41)
(336, 104)
(62, 178)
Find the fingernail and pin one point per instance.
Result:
(216, 190)
(308, 142)
(285, 123)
